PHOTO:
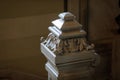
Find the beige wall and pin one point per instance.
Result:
(22, 23)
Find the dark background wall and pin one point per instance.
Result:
(102, 29)
(102, 14)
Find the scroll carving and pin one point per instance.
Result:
(66, 46)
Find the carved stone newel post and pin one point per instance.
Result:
(69, 55)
